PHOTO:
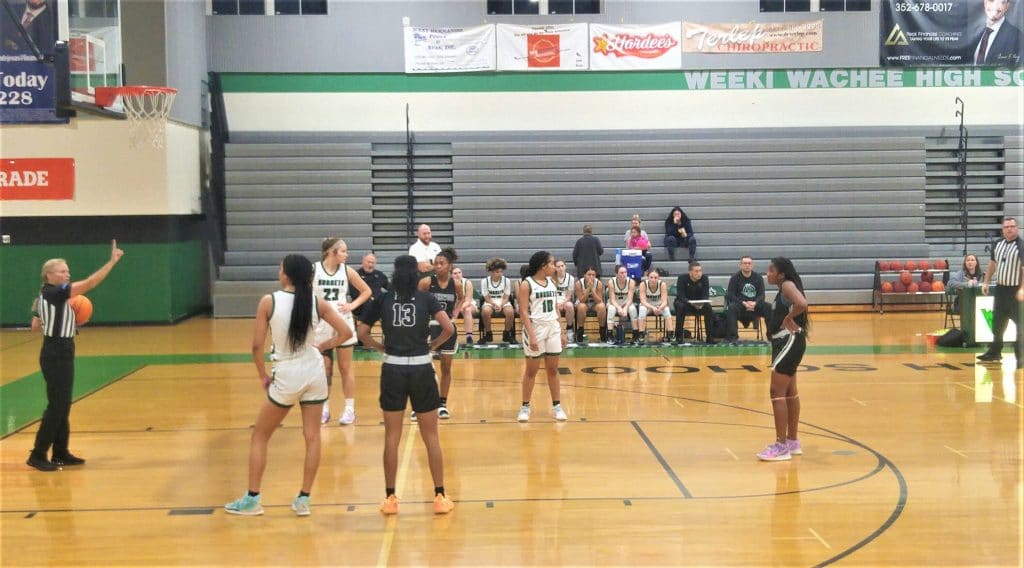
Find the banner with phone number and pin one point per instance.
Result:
(27, 90)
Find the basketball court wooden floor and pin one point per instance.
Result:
(912, 457)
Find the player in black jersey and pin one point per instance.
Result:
(407, 372)
(787, 328)
(449, 295)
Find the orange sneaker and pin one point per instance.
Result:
(442, 505)
(389, 506)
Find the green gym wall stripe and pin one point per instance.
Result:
(618, 80)
(22, 401)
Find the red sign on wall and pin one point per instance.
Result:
(543, 50)
(37, 178)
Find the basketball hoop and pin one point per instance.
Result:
(146, 107)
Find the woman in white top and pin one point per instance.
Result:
(566, 284)
(331, 282)
(495, 291)
(620, 298)
(543, 335)
(468, 307)
(653, 295)
(298, 375)
(590, 296)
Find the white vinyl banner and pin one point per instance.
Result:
(542, 48)
(635, 47)
(449, 50)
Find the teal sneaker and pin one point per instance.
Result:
(247, 505)
(301, 506)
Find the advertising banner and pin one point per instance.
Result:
(560, 47)
(449, 50)
(916, 33)
(753, 37)
(983, 309)
(27, 90)
(635, 47)
(37, 178)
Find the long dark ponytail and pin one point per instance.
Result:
(537, 261)
(299, 271)
(405, 277)
(785, 267)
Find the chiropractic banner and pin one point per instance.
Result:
(449, 50)
(614, 48)
(915, 33)
(753, 37)
(561, 47)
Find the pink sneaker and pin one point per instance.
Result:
(775, 452)
(794, 447)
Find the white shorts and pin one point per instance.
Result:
(325, 331)
(300, 380)
(549, 339)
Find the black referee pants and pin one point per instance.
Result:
(57, 361)
(1005, 307)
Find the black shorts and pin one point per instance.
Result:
(449, 347)
(787, 352)
(415, 383)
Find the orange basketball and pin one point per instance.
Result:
(899, 287)
(938, 286)
(924, 264)
(910, 265)
(925, 286)
(941, 264)
(927, 276)
(913, 287)
(82, 307)
(883, 265)
(895, 265)
(886, 287)
(906, 277)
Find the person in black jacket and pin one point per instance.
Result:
(679, 233)
(744, 298)
(693, 296)
(587, 253)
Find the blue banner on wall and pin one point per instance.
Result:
(27, 90)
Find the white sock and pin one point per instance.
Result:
(350, 404)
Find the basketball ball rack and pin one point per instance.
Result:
(146, 109)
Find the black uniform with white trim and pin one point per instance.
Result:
(787, 348)
(447, 297)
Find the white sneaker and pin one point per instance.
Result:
(524, 414)
(347, 417)
(325, 417)
(443, 413)
(558, 414)
(412, 416)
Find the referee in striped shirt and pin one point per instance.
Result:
(54, 317)
(1007, 265)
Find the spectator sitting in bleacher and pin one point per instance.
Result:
(495, 290)
(590, 297)
(679, 233)
(693, 296)
(744, 299)
(468, 307)
(587, 252)
(566, 284)
(653, 296)
(620, 299)
(969, 276)
(634, 223)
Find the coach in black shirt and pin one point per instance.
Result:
(744, 298)
(693, 287)
(1007, 265)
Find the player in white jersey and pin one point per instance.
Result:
(331, 282)
(543, 334)
(468, 307)
(566, 284)
(495, 293)
(620, 298)
(290, 315)
(653, 300)
(590, 297)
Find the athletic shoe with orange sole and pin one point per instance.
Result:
(442, 505)
(390, 505)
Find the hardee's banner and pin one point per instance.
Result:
(560, 47)
(37, 178)
(916, 33)
(449, 50)
(753, 37)
(635, 47)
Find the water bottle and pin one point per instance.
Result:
(618, 257)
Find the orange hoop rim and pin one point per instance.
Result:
(105, 96)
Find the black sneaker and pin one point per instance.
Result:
(68, 459)
(989, 356)
(42, 464)
(469, 340)
(579, 336)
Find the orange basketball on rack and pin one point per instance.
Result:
(938, 286)
(895, 265)
(927, 276)
(910, 265)
(941, 264)
(82, 307)
(886, 287)
(883, 265)
(913, 287)
(906, 277)
(924, 264)
(925, 287)
(899, 287)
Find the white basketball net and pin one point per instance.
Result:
(147, 112)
